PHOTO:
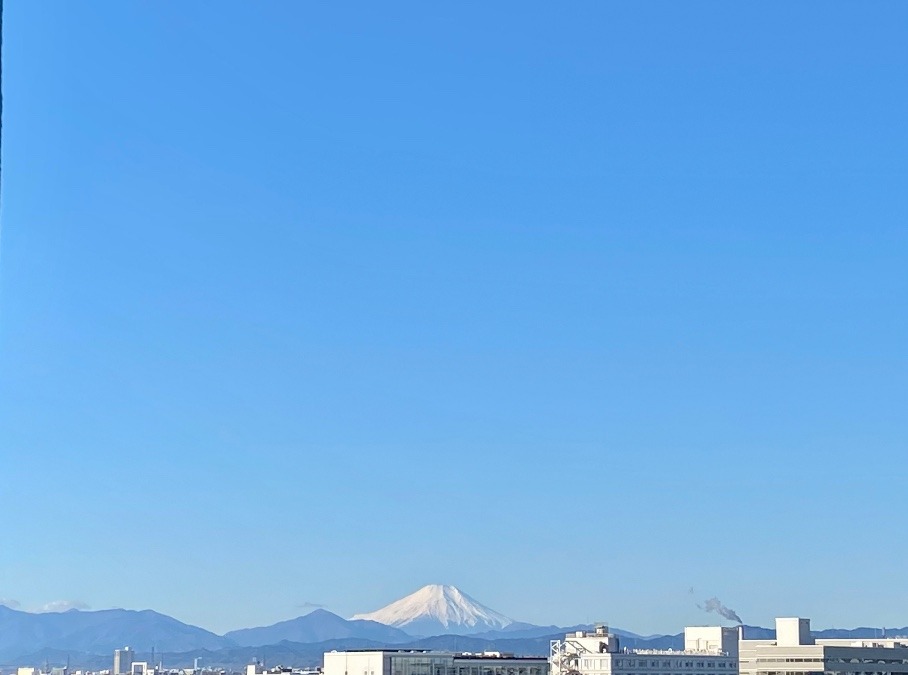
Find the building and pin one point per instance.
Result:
(122, 664)
(796, 652)
(259, 669)
(711, 639)
(424, 662)
(708, 650)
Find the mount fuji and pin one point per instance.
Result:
(436, 609)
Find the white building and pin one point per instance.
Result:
(418, 662)
(796, 652)
(259, 669)
(122, 661)
(708, 650)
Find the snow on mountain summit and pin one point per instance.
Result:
(435, 609)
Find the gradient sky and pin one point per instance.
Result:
(575, 306)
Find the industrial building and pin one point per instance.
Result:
(796, 652)
(424, 662)
(708, 650)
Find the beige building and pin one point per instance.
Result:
(796, 652)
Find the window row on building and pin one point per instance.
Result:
(666, 663)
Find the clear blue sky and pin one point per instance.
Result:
(573, 306)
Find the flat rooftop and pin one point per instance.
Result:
(672, 652)
(438, 652)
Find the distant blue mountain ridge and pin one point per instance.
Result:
(99, 632)
(88, 638)
(317, 626)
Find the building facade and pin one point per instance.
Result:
(407, 662)
(796, 652)
(709, 650)
(122, 661)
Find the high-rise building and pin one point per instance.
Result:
(122, 664)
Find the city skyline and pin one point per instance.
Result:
(314, 305)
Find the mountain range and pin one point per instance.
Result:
(99, 632)
(450, 619)
(317, 626)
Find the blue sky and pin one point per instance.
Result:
(576, 307)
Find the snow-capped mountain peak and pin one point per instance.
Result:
(437, 609)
